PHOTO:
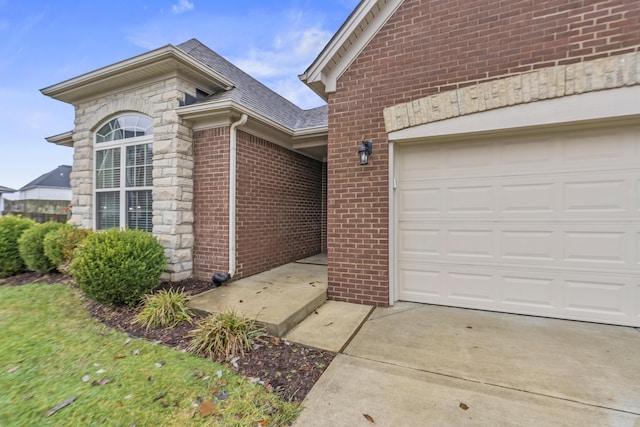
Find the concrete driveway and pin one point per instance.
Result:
(424, 365)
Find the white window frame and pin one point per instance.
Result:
(122, 189)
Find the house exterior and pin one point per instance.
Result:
(4, 190)
(504, 174)
(46, 198)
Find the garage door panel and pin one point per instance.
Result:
(546, 224)
(590, 297)
(592, 196)
(576, 246)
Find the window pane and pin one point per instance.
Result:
(139, 165)
(139, 210)
(108, 168)
(126, 126)
(107, 210)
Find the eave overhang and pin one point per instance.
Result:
(345, 46)
(311, 141)
(64, 139)
(148, 66)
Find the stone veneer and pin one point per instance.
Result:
(552, 82)
(172, 164)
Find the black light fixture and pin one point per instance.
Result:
(365, 151)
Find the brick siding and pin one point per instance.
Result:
(429, 47)
(278, 206)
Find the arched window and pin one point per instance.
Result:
(124, 173)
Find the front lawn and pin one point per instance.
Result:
(51, 350)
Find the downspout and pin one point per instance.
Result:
(218, 279)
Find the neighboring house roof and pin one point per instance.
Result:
(6, 190)
(57, 178)
(347, 43)
(250, 92)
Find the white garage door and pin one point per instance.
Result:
(545, 224)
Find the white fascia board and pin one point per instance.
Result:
(64, 139)
(59, 90)
(318, 70)
(592, 106)
(204, 109)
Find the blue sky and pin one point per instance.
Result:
(46, 42)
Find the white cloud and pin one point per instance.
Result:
(182, 6)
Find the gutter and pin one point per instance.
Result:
(218, 279)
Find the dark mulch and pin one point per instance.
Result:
(284, 367)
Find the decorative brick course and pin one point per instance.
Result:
(437, 47)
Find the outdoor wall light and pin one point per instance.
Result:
(365, 151)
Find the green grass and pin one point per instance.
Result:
(46, 334)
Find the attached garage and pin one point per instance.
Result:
(540, 220)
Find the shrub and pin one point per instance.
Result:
(166, 308)
(223, 336)
(11, 228)
(31, 248)
(118, 267)
(60, 245)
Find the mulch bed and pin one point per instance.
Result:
(287, 368)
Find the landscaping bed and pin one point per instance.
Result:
(286, 368)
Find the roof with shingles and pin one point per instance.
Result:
(57, 178)
(250, 92)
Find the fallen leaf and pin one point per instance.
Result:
(369, 418)
(207, 408)
(160, 364)
(103, 381)
(118, 403)
(306, 368)
(160, 396)
(206, 377)
(213, 389)
(263, 422)
(136, 352)
(119, 356)
(100, 371)
(12, 370)
(199, 374)
(223, 383)
(464, 406)
(127, 341)
(128, 396)
(234, 362)
(276, 341)
(85, 379)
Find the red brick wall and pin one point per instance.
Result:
(425, 48)
(324, 208)
(211, 202)
(279, 205)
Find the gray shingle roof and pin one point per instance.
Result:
(6, 190)
(250, 92)
(57, 178)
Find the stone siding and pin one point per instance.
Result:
(172, 164)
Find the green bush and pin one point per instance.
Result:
(11, 228)
(223, 336)
(60, 245)
(166, 308)
(31, 248)
(118, 267)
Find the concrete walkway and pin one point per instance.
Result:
(417, 365)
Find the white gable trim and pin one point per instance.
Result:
(345, 46)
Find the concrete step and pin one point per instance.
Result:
(278, 299)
